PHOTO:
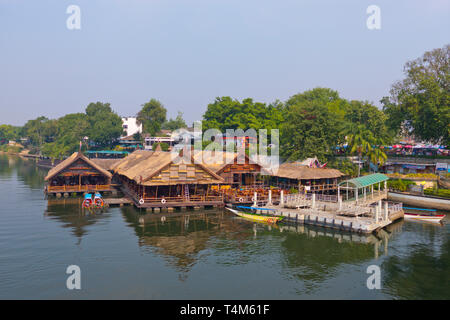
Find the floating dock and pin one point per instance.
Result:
(367, 211)
(117, 201)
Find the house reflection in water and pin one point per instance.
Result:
(181, 237)
(70, 213)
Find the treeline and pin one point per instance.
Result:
(311, 123)
(317, 121)
(99, 127)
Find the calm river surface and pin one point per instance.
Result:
(206, 255)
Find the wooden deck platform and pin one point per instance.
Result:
(117, 201)
(365, 217)
(330, 220)
(55, 190)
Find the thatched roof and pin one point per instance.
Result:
(218, 163)
(145, 167)
(301, 172)
(74, 157)
(106, 164)
(213, 160)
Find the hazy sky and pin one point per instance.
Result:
(185, 53)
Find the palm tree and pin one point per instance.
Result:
(360, 141)
(376, 155)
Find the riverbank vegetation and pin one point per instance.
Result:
(444, 193)
(400, 185)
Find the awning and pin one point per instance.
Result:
(365, 181)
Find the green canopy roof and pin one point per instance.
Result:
(366, 181)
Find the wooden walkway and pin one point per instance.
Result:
(117, 201)
(362, 217)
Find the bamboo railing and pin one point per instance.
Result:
(79, 188)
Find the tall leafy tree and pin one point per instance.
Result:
(373, 119)
(227, 113)
(174, 124)
(72, 128)
(35, 130)
(313, 124)
(152, 116)
(8, 132)
(421, 102)
(105, 126)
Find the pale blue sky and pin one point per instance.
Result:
(186, 53)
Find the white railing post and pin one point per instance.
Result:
(376, 213)
(386, 211)
(282, 198)
(313, 200)
(255, 199)
(340, 203)
(269, 201)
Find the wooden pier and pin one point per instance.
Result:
(316, 217)
(366, 213)
(117, 201)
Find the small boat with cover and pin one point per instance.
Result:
(419, 214)
(93, 200)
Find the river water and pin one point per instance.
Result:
(211, 254)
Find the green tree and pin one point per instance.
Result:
(71, 129)
(226, 113)
(421, 102)
(313, 124)
(8, 132)
(152, 116)
(35, 130)
(368, 115)
(174, 124)
(105, 126)
(360, 141)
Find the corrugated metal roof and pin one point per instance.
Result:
(366, 181)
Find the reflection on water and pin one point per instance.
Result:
(125, 253)
(70, 214)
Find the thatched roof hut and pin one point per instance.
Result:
(297, 171)
(106, 164)
(220, 160)
(76, 156)
(152, 168)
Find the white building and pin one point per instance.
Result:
(130, 126)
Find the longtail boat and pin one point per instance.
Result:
(420, 214)
(256, 217)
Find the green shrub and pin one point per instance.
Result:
(399, 185)
(445, 193)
